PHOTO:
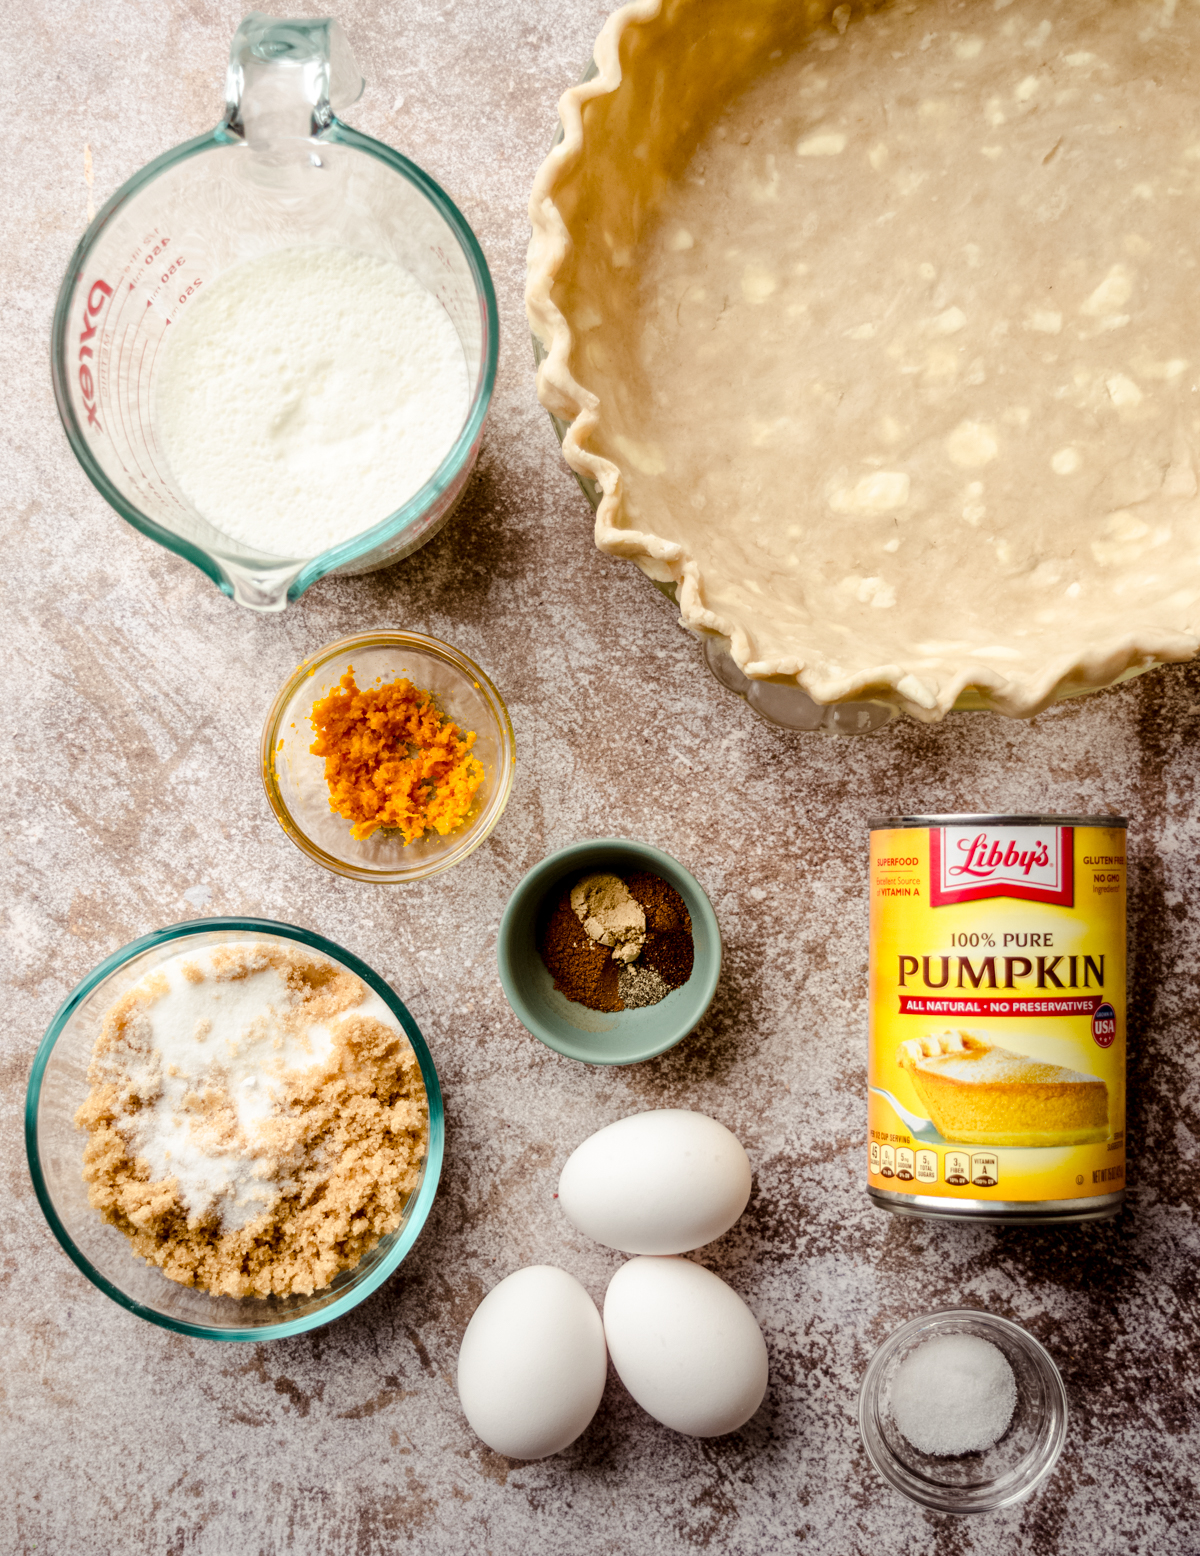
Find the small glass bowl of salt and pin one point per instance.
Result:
(963, 1412)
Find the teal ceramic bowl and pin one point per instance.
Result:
(58, 1084)
(596, 1037)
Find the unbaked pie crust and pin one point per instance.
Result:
(879, 332)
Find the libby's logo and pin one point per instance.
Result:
(967, 864)
(96, 300)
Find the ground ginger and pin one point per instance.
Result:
(392, 759)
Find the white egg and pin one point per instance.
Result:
(661, 1182)
(685, 1345)
(532, 1364)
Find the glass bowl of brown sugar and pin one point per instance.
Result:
(571, 992)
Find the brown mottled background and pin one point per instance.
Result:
(137, 694)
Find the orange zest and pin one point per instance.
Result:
(393, 760)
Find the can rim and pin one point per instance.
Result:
(1031, 1212)
(967, 818)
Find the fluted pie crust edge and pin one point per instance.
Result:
(633, 43)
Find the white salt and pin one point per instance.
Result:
(954, 1394)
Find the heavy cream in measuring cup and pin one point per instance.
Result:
(307, 395)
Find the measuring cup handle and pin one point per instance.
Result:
(286, 79)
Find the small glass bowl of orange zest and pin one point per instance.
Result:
(434, 774)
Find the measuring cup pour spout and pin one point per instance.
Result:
(281, 171)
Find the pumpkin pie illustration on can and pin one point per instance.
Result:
(982, 1094)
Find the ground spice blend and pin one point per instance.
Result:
(585, 971)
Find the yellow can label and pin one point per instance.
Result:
(996, 1066)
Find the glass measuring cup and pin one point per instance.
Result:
(280, 171)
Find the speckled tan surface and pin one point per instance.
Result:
(134, 800)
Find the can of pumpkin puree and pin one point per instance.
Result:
(996, 1066)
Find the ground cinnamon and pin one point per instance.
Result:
(582, 970)
(585, 971)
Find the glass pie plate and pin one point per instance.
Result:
(58, 1084)
(294, 779)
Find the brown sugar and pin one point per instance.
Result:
(326, 1164)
